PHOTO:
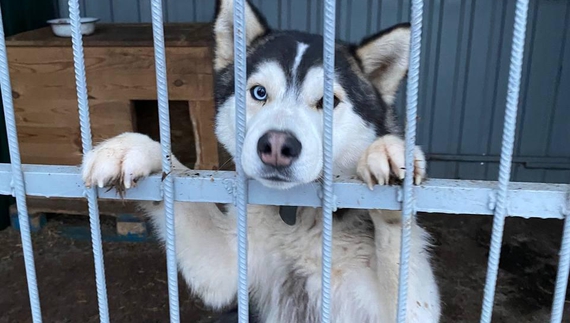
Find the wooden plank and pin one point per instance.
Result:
(202, 114)
(116, 59)
(112, 73)
(48, 131)
(52, 154)
(118, 35)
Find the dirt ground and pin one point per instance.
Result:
(137, 289)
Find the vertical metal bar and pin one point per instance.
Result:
(328, 194)
(86, 142)
(18, 178)
(408, 209)
(563, 270)
(509, 128)
(240, 68)
(165, 143)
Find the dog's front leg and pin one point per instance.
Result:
(423, 304)
(383, 159)
(203, 251)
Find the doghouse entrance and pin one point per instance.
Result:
(182, 135)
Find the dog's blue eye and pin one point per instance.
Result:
(259, 93)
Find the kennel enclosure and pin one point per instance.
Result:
(497, 198)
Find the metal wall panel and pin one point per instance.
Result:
(465, 63)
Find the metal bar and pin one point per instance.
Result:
(86, 142)
(408, 208)
(328, 188)
(528, 200)
(165, 143)
(509, 128)
(240, 68)
(563, 270)
(16, 179)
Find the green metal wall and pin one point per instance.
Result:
(465, 62)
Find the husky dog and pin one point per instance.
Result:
(283, 149)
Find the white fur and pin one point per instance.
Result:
(365, 271)
(390, 53)
(285, 261)
(301, 48)
(225, 31)
(286, 110)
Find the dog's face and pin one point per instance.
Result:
(284, 101)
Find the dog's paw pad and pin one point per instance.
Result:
(384, 160)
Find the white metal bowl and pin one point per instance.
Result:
(62, 26)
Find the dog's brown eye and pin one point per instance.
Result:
(320, 103)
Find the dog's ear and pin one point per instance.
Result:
(255, 26)
(384, 59)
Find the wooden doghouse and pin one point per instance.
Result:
(120, 67)
(119, 60)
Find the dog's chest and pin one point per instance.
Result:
(292, 266)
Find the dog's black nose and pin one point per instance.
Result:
(278, 148)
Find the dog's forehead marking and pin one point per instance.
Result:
(301, 49)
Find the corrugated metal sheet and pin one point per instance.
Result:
(464, 73)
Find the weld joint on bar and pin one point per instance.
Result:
(492, 200)
(566, 208)
(321, 196)
(12, 187)
(400, 199)
(492, 205)
(400, 195)
(232, 188)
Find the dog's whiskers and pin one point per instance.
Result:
(226, 162)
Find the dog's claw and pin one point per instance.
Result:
(402, 173)
(418, 180)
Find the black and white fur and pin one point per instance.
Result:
(285, 88)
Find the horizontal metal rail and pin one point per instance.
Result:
(527, 200)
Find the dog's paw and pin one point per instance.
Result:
(385, 158)
(120, 161)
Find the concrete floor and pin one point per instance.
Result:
(137, 290)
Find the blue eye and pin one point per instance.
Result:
(259, 93)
